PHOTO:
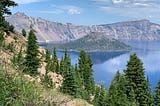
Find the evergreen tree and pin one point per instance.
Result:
(96, 96)
(32, 61)
(136, 80)
(103, 97)
(69, 85)
(131, 98)
(47, 56)
(86, 72)
(24, 32)
(81, 64)
(1, 39)
(58, 67)
(157, 95)
(62, 66)
(47, 81)
(55, 56)
(80, 92)
(66, 63)
(88, 76)
(18, 60)
(100, 97)
(149, 94)
(5, 10)
(117, 91)
(55, 60)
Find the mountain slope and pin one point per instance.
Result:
(53, 31)
(93, 42)
(21, 87)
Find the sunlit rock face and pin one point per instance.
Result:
(49, 31)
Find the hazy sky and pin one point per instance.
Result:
(91, 12)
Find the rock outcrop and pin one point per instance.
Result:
(48, 31)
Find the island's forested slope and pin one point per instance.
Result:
(93, 42)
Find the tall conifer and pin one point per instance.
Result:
(157, 95)
(117, 91)
(136, 79)
(32, 61)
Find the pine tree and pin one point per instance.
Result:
(100, 97)
(69, 85)
(157, 95)
(117, 91)
(80, 92)
(24, 32)
(131, 98)
(135, 78)
(32, 61)
(62, 67)
(103, 97)
(57, 67)
(1, 39)
(96, 96)
(88, 76)
(149, 94)
(66, 63)
(55, 60)
(86, 72)
(5, 10)
(18, 60)
(47, 56)
(47, 81)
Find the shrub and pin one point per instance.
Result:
(17, 91)
(47, 82)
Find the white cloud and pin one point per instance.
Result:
(73, 11)
(69, 9)
(117, 1)
(149, 9)
(27, 1)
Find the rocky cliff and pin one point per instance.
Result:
(53, 31)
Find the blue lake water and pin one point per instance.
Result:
(106, 64)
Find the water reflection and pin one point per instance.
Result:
(106, 64)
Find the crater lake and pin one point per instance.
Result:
(106, 64)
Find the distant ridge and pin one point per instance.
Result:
(48, 31)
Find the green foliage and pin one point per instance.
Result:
(1, 39)
(86, 72)
(24, 32)
(9, 47)
(137, 81)
(157, 95)
(52, 62)
(65, 64)
(16, 91)
(94, 42)
(101, 97)
(47, 56)
(117, 91)
(5, 10)
(55, 61)
(32, 61)
(18, 60)
(69, 85)
(47, 81)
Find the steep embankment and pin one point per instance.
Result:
(30, 88)
(49, 31)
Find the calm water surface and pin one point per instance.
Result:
(106, 64)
